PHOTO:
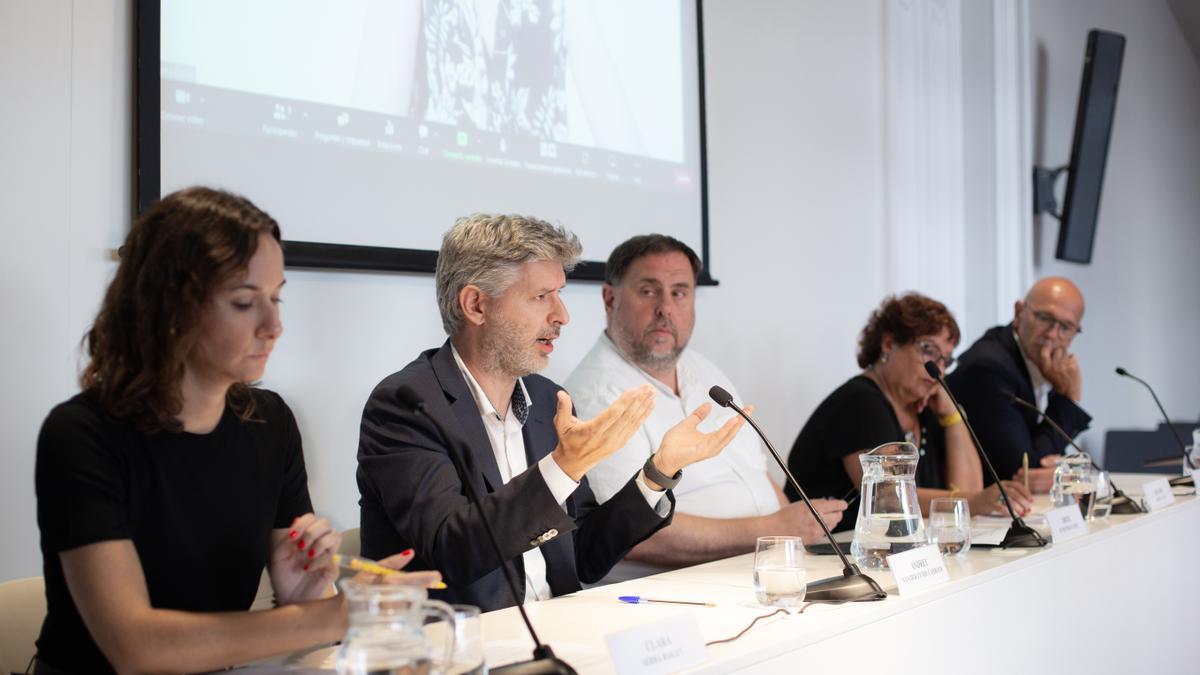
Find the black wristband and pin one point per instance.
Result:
(665, 481)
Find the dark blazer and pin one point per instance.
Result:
(412, 497)
(988, 373)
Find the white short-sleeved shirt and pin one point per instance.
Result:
(734, 484)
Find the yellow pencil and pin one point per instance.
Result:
(363, 565)
(1025, 466)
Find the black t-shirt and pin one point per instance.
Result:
(199, 508)
(857, 417)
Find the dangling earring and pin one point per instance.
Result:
(883, 358)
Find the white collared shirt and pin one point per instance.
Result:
(508, 446)
(1041, 386)
(734, 484)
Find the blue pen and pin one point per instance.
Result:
(637, 599)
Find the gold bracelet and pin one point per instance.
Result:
(950, 420)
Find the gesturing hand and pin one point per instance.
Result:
(685, 444)
(583, 445)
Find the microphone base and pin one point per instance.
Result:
(1182, 481)
(544, 663)
(1122, 505)
(1021, 535)
(852, 586)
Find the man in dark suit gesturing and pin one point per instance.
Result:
(1027, 358)
(498, 284)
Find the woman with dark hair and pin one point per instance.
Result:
(895, 399)
(168, 484)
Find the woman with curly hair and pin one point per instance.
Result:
(895, 399)
(168, 484)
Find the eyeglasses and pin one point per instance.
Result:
(930, 352)
(1048, 320)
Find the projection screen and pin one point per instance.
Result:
(366, 127)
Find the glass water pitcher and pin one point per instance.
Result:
(889, 516)
(385, 634)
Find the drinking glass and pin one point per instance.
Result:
(467, 657)
(949, 526)
(779, 571)
(1104, 497)
(468, 642)
(1074, 483)
(1193, 451)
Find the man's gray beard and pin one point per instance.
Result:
(647, 360)
(502, 347)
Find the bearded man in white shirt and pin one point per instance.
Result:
(723, 504)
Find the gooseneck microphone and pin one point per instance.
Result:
(1182, 448)
(853, 585)
(1019, 534)
(544, 661)
(1121, 503)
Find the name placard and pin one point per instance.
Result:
(664, 646)
(918, 569)
(1157, 494)
(1066, 523)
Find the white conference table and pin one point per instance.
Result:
(1120, 599)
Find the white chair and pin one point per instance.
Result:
(24, 607)
(265, 597)
(350, 542)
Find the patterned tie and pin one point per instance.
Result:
(520, 406)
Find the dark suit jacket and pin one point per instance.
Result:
(988, 373)
(412, 496)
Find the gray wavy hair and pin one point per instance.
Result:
(487, 250)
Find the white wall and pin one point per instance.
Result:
(792, 188)
(797, 195)
(796, 198)
(1143, 307)
(64, 172)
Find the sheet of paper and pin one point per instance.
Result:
(988, 535)
(1037, 520)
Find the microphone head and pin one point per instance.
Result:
(932, 369)
(720, 396)
(1122, 371)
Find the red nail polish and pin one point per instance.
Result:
(292, 534)
(312, 553)
(407, 552)
(300, 544)
(306, 568)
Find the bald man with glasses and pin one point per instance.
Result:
(1030, 359)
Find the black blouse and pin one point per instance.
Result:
(857, 417)
(199, 509)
